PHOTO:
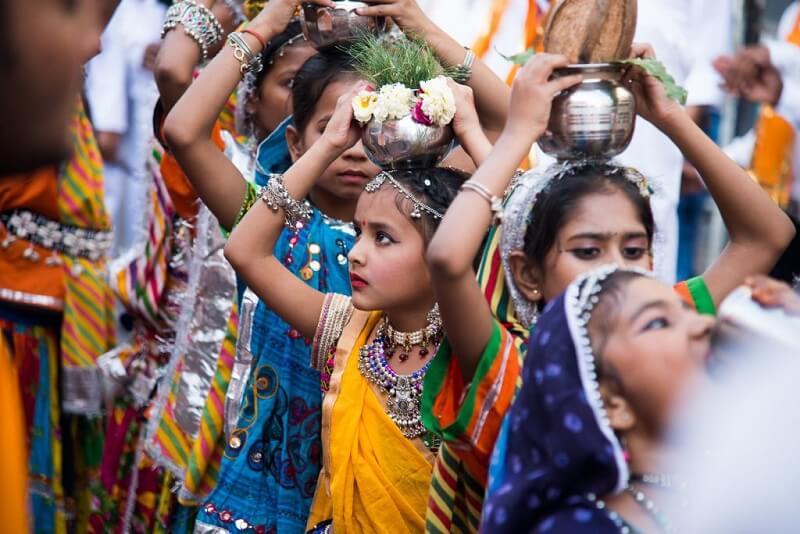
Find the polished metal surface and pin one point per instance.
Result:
(406, 144)
(325, 27)
(594, 119)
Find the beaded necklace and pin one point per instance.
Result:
(404, 391)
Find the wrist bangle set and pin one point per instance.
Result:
(462, 73)
(495, 202)
(249, 60)
(198, 22)
(276, 197)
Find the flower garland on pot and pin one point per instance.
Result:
(407, 79)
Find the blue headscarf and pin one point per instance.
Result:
(273, 153)
(559, 446)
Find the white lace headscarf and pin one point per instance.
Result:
(519, 214)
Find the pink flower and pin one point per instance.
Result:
(419, 116)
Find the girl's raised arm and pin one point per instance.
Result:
(465, 312)
(179, 55)
(759, 231)
(251, 245)
(189, 126)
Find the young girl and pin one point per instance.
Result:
(281, 428)
(580, 216)
(607, 365)
(376, 465)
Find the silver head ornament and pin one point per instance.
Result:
(518, 216)
(418, 208)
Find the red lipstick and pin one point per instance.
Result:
(357, 282)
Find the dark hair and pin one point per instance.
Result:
(605, 315)
(275, 46)
(435, 186)
(316, 74)
(560, 198)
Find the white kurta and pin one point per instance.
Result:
(122, 95)
(686, 35)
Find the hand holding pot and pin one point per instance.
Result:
(277, 14)
(342, 130)
(652, 102)
(405, 13)
(532, 96)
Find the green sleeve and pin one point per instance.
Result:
(250, 197)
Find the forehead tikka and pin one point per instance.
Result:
(419, 206)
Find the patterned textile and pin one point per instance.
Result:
(374, 479)
(56, 338)
(35, 353)
(146, 280)
(205, 305)
(206, 453)
(12, 440)
(141, 275)
(564, 443)
(89, 326)
(455, 410)
(271, 460)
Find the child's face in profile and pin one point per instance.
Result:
(387, 264)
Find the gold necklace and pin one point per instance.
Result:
(406, 341)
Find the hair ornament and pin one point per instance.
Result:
(419, 207)
(518, 215)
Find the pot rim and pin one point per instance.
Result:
(341, 4)
(592, 67)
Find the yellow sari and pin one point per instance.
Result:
(373, 478)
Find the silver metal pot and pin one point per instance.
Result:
(406, 144)
(324, 26)
(594, 119)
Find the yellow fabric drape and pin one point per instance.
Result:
(374, 480)
(13, 461)
(771, 162)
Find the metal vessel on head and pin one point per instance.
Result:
(325, 27)
(594, 119)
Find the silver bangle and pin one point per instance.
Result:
(462, 73)
(249, 61)
(198, 22)
(276, 197)
(495, 202)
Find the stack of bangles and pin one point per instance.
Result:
(495, 202)
(276, 197)
(198, 22)
(249, 60)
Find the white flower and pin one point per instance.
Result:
(364, 104)
(438, 101)
(394, 102)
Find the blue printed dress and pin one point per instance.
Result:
(273, 455)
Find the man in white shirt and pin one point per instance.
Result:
(768, 74)
(122, 94)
